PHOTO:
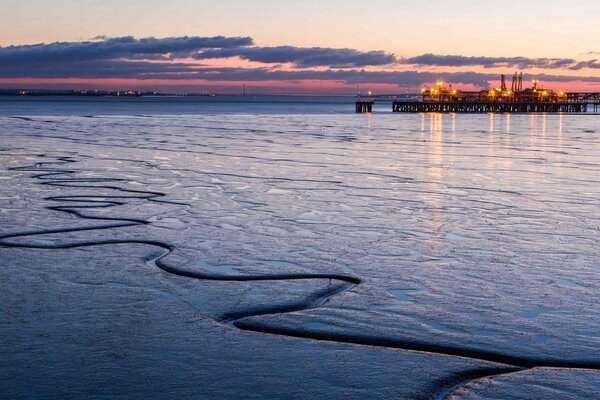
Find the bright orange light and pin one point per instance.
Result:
(440, 83)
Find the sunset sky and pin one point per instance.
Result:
(321, 47)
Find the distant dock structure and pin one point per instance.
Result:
(442, 99)
(364, 106)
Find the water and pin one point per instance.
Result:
(11, 105)
(472, 234)
(164, 105)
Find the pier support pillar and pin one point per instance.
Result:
(364, 106)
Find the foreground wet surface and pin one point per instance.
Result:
(418, 256)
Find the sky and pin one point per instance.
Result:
(303, 47)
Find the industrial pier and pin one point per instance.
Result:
(442, 99)
(487, 107)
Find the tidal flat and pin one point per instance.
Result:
(280, 256)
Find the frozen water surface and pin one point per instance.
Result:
(300, 256)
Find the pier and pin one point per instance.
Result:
(515, 99)
(364, 106)
(486, 107)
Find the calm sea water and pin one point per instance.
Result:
(178, 105)
(60, 105)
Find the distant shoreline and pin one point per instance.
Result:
(95, 93)
(133, 93)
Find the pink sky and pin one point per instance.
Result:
(236, 87)
(404, 29)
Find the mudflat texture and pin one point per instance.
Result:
(300, 256)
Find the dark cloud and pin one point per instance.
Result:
(490, 62)
(305, 57)
(113, 48)
(151, 58)
(130, 48)
(99, 69)
(144, 70)
(593, 64)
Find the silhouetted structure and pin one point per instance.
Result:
(364, 106)
(515, 100)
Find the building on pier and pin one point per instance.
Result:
(498, 95)
(502, 99)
